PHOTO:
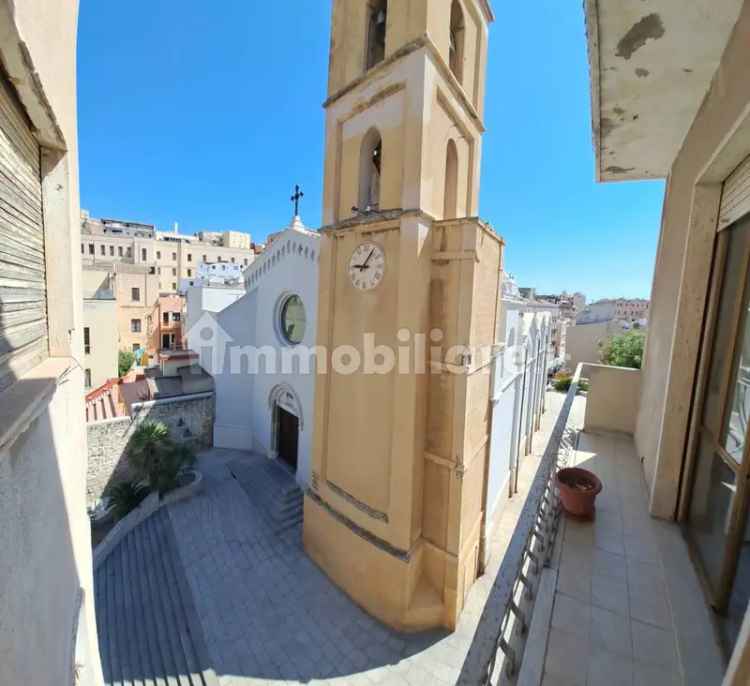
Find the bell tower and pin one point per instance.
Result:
(405, 104)
(395, 513)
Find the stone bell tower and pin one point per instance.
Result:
(395, 514)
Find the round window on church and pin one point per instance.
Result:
(292, 320)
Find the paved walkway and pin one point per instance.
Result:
(269, 615)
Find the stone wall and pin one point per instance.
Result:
(190, 420)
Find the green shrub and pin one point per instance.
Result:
(155, 458)
(125, 496)
(625, 350)
(563, 384)
(125, 360)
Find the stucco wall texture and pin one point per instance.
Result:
(189, 421)
(682, 271)
(46, 602)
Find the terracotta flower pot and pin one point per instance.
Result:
(578, 491)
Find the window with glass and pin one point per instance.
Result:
(292, 320)
(135, 325)
(720, 471)
(86, 339)
(135, 294)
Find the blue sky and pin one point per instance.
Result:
(208, 113)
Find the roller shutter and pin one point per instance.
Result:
(735, 198)
(23, 302)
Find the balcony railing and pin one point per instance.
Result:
(500, 638)
(619, 599)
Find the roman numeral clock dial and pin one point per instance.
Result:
(367, 266)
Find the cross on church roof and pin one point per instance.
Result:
(298, 195)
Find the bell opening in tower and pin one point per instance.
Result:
(376, 33)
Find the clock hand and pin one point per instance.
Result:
(372, 252)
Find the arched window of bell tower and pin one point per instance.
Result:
(450, 200)
(370, 165)
(456, 56)
(376, 29)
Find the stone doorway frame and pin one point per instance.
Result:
(285, 397)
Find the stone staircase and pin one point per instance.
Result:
(149, 632)
(272, 489)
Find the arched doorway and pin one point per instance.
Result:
(286, 425)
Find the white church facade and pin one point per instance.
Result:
(258, 351)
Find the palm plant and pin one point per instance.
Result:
(174, 460)
(146, 448)
(125, 496)
(155, 458)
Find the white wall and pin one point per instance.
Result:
(519, 381)
(244, 417)
(201, 299)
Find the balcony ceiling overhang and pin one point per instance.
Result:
(651, 64)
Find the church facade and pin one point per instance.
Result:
(258, 351)
(396, 511)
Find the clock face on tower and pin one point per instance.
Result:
(367, 266)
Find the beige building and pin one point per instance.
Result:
(48, 632)
(584, 342)
(174, 256)
(100, 339)
(631, 310)
(670, 99)
(167, 323)
(135, 288)
(396, 510)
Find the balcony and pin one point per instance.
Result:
(620, 601)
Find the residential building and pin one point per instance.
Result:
(174, 256)
(584, 342)
(570, 305)
(626, 309)
(215, 274)
(560, 308)
(48, 633)
(631, 310)
(597, 312)
(101, 341)
(226, 239)
(167, 323)
(136, 289)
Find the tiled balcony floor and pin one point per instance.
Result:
(613, 619)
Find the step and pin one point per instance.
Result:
(149, 650)
(151, 580)
(184, 655)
